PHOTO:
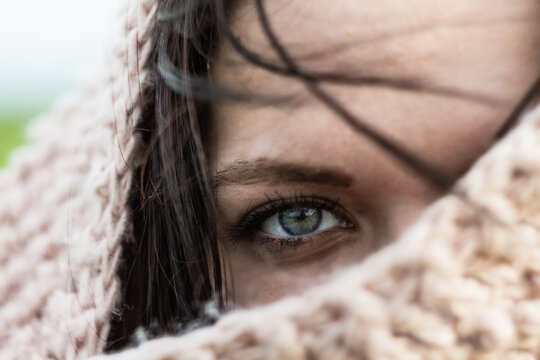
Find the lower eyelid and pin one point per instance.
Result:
(298, 249)
(278, 245)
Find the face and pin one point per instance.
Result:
(299, 192)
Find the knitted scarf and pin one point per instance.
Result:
(462, 283)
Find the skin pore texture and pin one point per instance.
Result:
(299, 164)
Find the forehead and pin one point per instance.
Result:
(484, 47)
(387, 36)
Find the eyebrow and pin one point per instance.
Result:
(275, 172)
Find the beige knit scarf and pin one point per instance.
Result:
(462, 283)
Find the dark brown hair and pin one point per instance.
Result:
(171, 265)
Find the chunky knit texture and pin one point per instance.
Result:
(462, 283)
(62, 210)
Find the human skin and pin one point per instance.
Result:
(482, 47)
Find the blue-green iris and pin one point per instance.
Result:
(298, 222)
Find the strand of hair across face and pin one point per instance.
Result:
(405, 84)
(520, 108)
(428, 171)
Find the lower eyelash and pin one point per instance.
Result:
(277, 245)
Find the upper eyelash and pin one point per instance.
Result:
(249, 223)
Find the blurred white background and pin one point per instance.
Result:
(44, 47)
(45, 43)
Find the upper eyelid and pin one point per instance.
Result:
(285, 203)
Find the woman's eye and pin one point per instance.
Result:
(300, 221)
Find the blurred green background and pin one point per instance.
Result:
(12, 126)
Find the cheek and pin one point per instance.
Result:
(256, 282)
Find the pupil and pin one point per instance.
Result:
(300, 221)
